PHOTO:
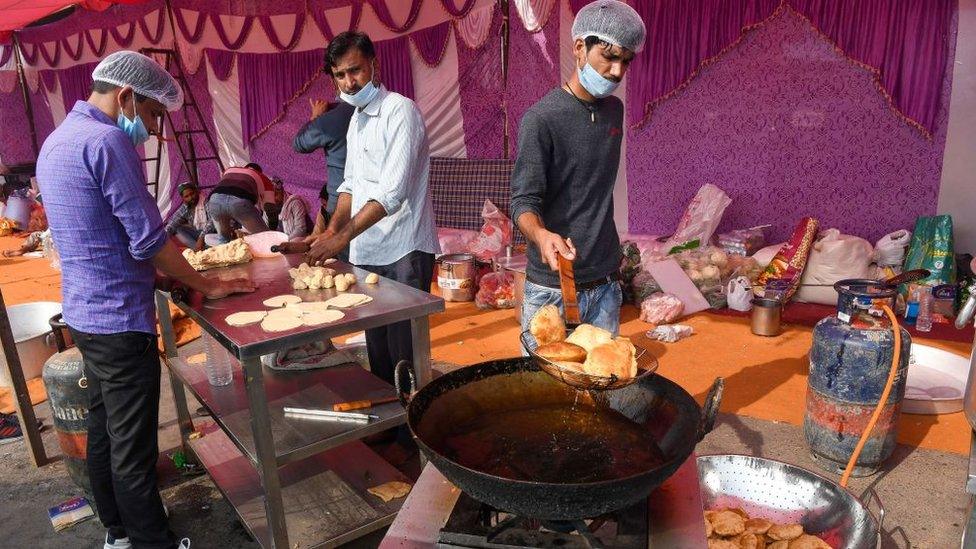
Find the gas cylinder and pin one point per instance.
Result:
(849, 366)
(67, 390)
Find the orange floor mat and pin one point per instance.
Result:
(765, 377)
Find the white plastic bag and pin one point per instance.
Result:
(890, 250)
(739, 294)
(834, 257)
(669, 333)
(701, 218)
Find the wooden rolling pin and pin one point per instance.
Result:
(360, 404)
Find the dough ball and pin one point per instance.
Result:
(350, 278)
(372, 278)
(341, 283)
(328, 282)
(298, 284)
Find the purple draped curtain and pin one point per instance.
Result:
(75, 83)
(395, 68)
(432, 42)
(5, 53)
(221, 61)
(269, 82)
(904, 43)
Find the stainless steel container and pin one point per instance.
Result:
(455, 277)
(516, 265)
(30, 323)
(766, 315)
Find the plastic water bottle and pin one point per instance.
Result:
(924, 322)
(219, 370)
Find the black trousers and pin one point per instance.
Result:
(392, 343)
(123, 417)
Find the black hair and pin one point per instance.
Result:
(104, 87)
(344, 42)
(324, 193)
(254, 166)
(591, 41)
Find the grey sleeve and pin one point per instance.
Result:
(531, 166)
(178, 219)
(320, 133)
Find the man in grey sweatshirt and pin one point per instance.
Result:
(568, 153)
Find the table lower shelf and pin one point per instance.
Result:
(325, 496)
(294, 438)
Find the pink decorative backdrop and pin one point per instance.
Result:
(788, 128)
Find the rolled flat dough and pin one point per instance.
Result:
(244, 318)
(345, 301)
(280, 323)
(281, 300)
(317, 318)
(309, 307)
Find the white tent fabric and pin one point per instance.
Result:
(226, 97)
(439, 99)
(55, 102)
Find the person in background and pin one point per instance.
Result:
(288, 213)
(384, 212)
(239, 198)
(568, 153)
(326, 130)
(111, 242)
(190, 223)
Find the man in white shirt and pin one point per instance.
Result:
(387, 163)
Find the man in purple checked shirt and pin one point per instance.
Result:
(108, 230)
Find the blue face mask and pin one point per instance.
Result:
(595, 83)
(363, 97)
(135, 129)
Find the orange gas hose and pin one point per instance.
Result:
(884, 398)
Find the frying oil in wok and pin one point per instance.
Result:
(555, 444)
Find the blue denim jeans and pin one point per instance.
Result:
(599, 306)
(225, 209)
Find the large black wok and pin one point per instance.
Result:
(512, 436)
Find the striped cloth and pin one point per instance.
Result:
(460, 186)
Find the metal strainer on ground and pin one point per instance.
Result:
(785, 493)
(646, 365)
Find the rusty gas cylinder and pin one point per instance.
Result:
(849, 367)
(67, 390)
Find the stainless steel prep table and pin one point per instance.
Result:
(294, 483)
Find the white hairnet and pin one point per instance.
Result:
(611, 21)
(144, 75)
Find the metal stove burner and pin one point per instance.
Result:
(475, 525)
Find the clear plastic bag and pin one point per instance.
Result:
(495, 234)
(701, 218)
(496, 290)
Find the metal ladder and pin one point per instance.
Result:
(193, 123)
